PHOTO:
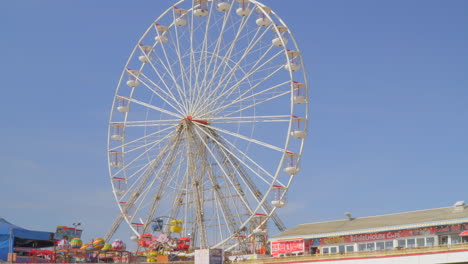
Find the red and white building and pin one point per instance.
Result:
(390, 234)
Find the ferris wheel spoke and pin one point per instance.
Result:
(161, 93)
(242, 25)
(214, 55)
(234, 87)
(251, 186)
(178, 201)
(140, 172)
(258, 83)
(250, 119)
(141, 138)
(228, 217)
(228, 152)
(229, 75)
(169, 70)
(161, 78)
(202, 58)
(162, 188)
(173, 79)
(241, 98)
(126, 209)
(148, 123)
(228, 53)
(255, 192)
(244, 155)
(227, 176)
(162, 110)
(145, 176)
(153, 144)
(228, 93)
(258, 103)
(218, 218)
(130, 163)
(192, 56)
(182, 68)
(141, 197)
(258, 142)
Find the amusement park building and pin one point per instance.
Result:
(416, 229)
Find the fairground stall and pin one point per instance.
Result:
(416, 229)
(16, 242)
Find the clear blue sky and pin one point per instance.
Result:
(388, 90)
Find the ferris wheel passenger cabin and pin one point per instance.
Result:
(280, 40)
(200, 11)
(299, 127)
(146, 51)
(133, 78)
(262, 20)
(292, 65)
(223, 6)
(180, 20)
(279, 196)
(291, 163)
(162, 32)
(244, 10)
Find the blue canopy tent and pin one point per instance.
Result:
(14, 236)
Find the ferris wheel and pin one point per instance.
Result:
(208, 122)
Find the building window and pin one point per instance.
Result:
(370, 246)
(411, 243)
(349, 248)
(341, 249)
(430, 241)
(332, 250)
(455, 239)
(402, 243)
(325, 250)
(380, 246)
(389, 244)
(420, 242)
(362, 247)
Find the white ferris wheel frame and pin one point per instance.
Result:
(272, 16)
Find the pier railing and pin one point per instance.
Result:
(363, 254)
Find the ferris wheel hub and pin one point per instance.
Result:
(190, 119)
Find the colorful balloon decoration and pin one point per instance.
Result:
(118, 245)
(89, 246)
(107, 246)
(98, 243)
(76, 243)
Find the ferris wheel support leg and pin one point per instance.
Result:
(219, 195)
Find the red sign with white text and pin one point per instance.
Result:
(279, 247)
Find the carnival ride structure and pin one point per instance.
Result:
(208, 124)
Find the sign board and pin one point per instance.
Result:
(64, 232)
(278, 247)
